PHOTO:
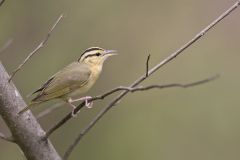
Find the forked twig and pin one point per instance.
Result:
(37, 48)
(135, 89)
(179, 85)
(112, 91)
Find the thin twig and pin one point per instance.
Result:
(147, 65)
(6, 45)
(37, 48)
(1, 3)
(169, 85)
(154, 69)
(192, 84)
(49, 110)
(9, 139)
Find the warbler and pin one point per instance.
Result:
(73, 80)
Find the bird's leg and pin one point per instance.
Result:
(69, 101)
(86, 98)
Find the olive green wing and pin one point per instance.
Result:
(42, 87)
(70, 78)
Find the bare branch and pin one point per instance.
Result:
(147, 65)
(167, 85)
(9, 139)
(84, 131)
(6, 45)
(37, 48)
(25, 129)
(154, 69)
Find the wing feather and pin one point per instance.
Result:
(70, 78)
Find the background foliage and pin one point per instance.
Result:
(196, 123)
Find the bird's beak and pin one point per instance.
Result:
(110, 52)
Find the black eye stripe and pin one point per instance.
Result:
(91, 55)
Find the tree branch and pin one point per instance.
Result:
(84, 131)
(154, 69)
(37, 48)
(166, 85)
(25, 130)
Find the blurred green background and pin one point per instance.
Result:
(196, 123)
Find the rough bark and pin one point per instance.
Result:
(25, 129)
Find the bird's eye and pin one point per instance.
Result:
(98, 54)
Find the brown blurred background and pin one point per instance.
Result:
(196, 123)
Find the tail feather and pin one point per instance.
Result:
(27, 107)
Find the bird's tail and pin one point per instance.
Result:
(28, 107)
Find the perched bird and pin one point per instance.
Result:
(74, 79)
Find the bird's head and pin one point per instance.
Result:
(96, 55)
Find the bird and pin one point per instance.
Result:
(73, 80)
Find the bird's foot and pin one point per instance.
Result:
(87, 103)
(85, 99)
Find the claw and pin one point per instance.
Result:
(87, 103)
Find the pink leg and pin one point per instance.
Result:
(69, 101)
